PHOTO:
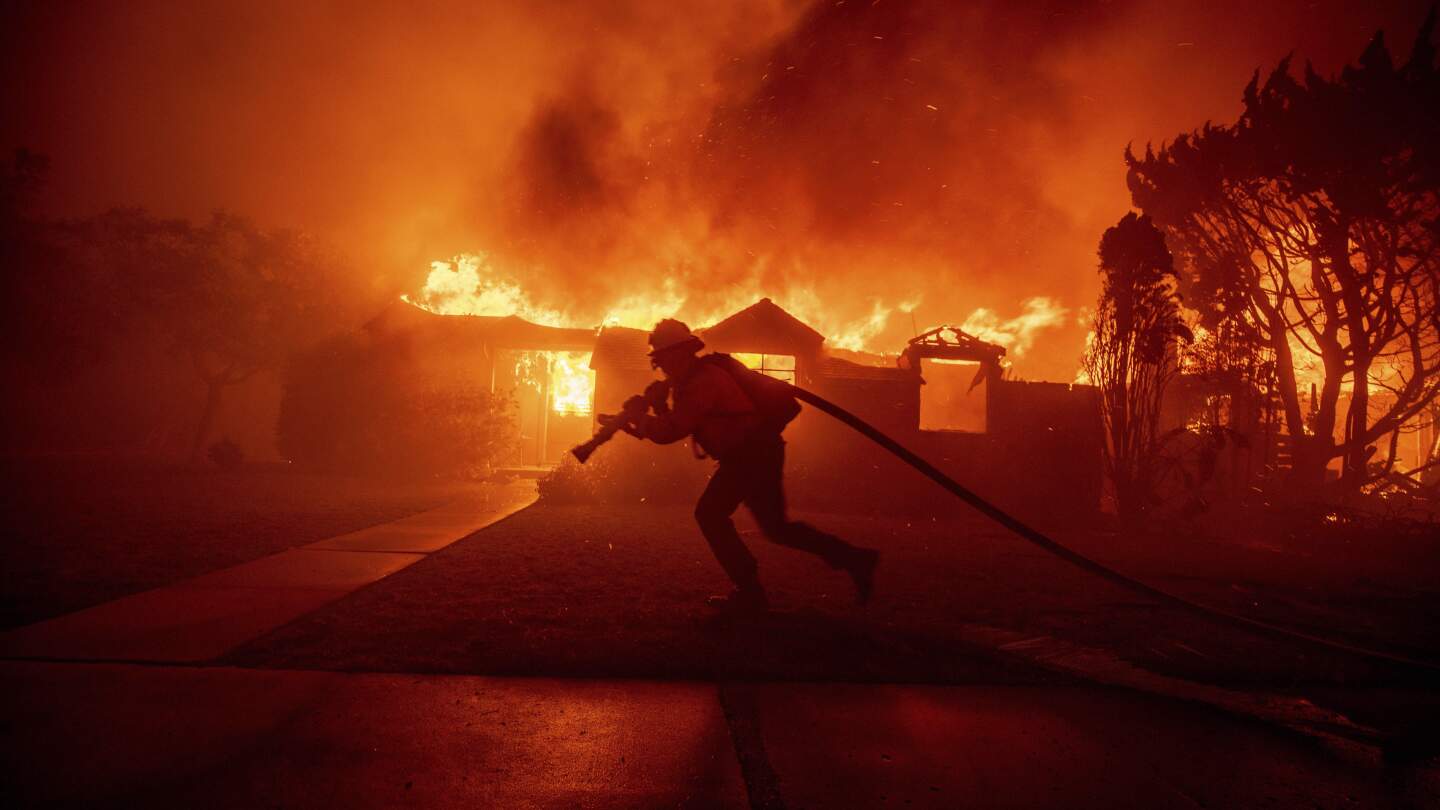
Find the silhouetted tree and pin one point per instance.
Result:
(59, 311)
(1429, 469)
(1226, 361)
(1312, 226)
(231, 298)
(1132, 354)
(20, 183)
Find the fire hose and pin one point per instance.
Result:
(1038, 538)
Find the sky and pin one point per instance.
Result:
(877, 167)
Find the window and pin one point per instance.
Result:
(947, 401)
(779, 366)
(572, 383)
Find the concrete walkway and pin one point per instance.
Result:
(119, 735)
(203, 618)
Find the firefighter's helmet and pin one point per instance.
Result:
(671, 334)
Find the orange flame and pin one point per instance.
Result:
(472, 284)
(572, 383)
(1017, 335)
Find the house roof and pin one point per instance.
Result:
(512, 332)
(762, 327)
(620, 348)
(838, 369)
(952, 343)
(623, 348)
(401, 319)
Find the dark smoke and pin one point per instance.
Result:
(597, 149)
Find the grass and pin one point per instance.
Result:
(78, 534)
(617, 591)
(587, 590)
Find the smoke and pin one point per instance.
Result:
(871, 165)
(866, 156)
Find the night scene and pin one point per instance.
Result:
(741, 404)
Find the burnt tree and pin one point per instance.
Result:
(1312, 224)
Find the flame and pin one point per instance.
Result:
(470, 285)
(1017, 335)
(572, 383)
(858, 335)
(644, 311)
(779, 366)
(473, 284)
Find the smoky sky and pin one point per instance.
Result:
(847, 155)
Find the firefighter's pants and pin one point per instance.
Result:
(753, 475)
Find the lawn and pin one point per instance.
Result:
(81, 533)
(618, 591)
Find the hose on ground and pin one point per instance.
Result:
(1085, 563)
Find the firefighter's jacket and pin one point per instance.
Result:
(708, 405)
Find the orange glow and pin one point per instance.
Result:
(706, 154)
(572, 383)
(474, 284)
(469, 285)
(779, 366)
(1017, 334)
(564, 378)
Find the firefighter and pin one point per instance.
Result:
(711, 406)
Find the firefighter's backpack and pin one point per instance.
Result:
(774, 399)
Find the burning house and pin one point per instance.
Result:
(1032, 446)
(762, 336)
(543, 369)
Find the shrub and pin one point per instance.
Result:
(629, 472)
(226, 455)
(573, 482)
(455, 430)
(353, 407)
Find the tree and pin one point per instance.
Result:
(20, 183)
(1132, 353)
(1312, 227)
(58, 308)
(231, 298)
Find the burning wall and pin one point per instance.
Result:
(1031, 446)
(1034, 449)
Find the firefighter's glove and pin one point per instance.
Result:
(635, 407)
(621, 421)
(657, 395)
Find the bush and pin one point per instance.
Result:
(455, 430)
(226, 455)
(352, 407)
(573, 482)
(627, 472)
